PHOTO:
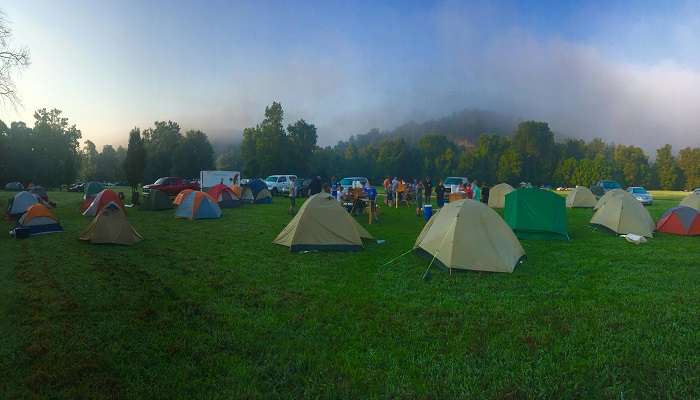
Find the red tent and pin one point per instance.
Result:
(224, 195)
(101, 200)
(680, 220)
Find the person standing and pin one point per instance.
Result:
(292, 195)
(476, 191)
(420, 189)
(440, 194)
(387, 189)
(394, 194)
(315, 186)
(428, 189)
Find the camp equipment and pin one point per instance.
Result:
(536, 214)
(623, 214)
(322, 224)
(156, 200)
(101, 200)
(467, 234)
(427, 211)
(110, 226)
(224, 196)
(259, 191)
(680, 220)
(692, 200)
(20, 203)
(14, 186)
(608, 195)
(581, 197)
(197, 205)
(37, 220)
(497, 195)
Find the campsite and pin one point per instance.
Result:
(213, 307)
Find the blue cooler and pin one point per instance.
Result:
(427, 211)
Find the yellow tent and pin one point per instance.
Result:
(581, 197)
(604, 198)
(111, 226)
(467, 234)
(692, 200)
(497, 195)
(322, 224)
(623, 214)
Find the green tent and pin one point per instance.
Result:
(536, 214)
(93, 188)
(156, 200)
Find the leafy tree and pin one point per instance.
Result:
(302, 141)
(160, 143)
(534, 143)
(509, 167)
(135, 162)
(11, 60)
(107, 164)
(193, 154)
(230, 159)
(689, 163)
(666, 168)
(631, 165)
(56, 154)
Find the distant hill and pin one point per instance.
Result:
(462, 127)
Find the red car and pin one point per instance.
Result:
(171, 185)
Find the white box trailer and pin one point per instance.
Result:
(208, 179)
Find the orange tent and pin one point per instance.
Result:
(181, 195)
(101, 200)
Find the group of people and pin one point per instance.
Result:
(398, 191)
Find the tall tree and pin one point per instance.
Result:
(534, 142)
(88, 162)
(107, 164)
(689, 163)
(135, 162)
(302, 140)
(666, 169)
(161, 141)
(193, 154)
(55, 148)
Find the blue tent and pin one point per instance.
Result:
(260, 193)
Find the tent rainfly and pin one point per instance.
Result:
(692, 200)
(536, 214)
(497, 195)
(581, 197)
(623, 214)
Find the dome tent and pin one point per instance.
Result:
(259, 191)
(37, 220)
(111, 226)
(180, 196)
(607, 196)
(224, 195)
(156, 200)
(536, 214)
(692, 200)
(20, 203)
(322, 224)
(101, 200)
(497, 195)
(467, 234)
(623, 214)
(680, 220)
(581, 197)
(15, 186)
(198, 205)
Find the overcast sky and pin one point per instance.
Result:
(627, 71)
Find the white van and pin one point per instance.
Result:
(278, 184)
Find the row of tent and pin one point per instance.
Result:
(468, 234)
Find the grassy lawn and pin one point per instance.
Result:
(211, 309)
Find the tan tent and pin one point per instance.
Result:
(497, 195)
(604, 198)
(111, 226)
(467, 234)
(322, 224)
(623, 214)
(581, 197)
(692, 200)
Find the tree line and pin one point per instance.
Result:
(49, 153)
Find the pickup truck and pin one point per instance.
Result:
(170, 185)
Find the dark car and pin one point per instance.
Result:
(604, 186)
(77, 187)
(171, 185)
(302, 185)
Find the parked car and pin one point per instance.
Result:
(696, 191)
(641, 195)
(170, 185)
(346, 183)
(77, 187)
(454, 180)
(303, 186)
(604, 186)
(278, 184)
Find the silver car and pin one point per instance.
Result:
(641, 195)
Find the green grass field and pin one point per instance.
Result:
(213, 310)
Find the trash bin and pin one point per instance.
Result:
(427, 211)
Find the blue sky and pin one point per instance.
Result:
(625, 71)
